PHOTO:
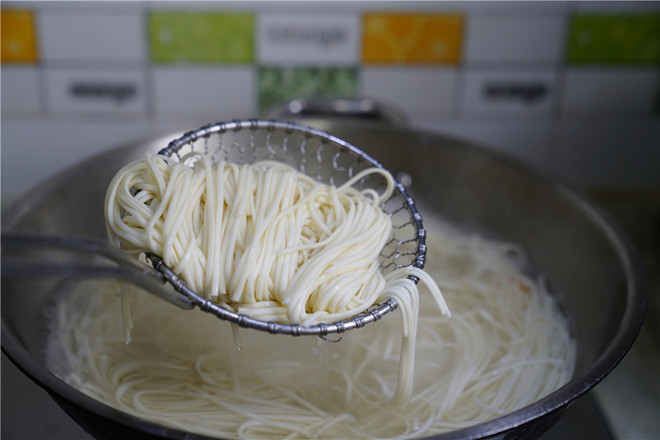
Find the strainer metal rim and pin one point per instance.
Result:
(372, 314)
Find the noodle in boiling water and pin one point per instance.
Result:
(505, 346)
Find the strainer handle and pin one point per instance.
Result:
(24, 256)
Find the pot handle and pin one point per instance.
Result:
(361, 109)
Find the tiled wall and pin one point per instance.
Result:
(571, 87)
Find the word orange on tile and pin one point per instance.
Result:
(17, 37)
(411, 38)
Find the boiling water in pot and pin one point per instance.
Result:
(505, 346)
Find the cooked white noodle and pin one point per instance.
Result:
(505, 346)
(262, 239)
(266, 240)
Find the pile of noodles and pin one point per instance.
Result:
(262, 239)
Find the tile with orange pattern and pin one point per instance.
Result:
(18, 41)
(412, 38)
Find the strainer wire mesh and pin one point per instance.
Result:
(317, 154)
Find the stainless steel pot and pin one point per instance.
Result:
(582, 251)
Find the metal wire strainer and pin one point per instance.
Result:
(316, 153)
(324, 157)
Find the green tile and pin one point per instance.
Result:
(614, 39)
(201, 37)
(278, 85)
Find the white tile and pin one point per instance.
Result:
(77, 6)
(412, 89)
(629, 92)
(506, 93)
(608, 153)
(303, 39)
(20, 89)
(107, 37)
(513, 39)
(224, 92)
(103, 91)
